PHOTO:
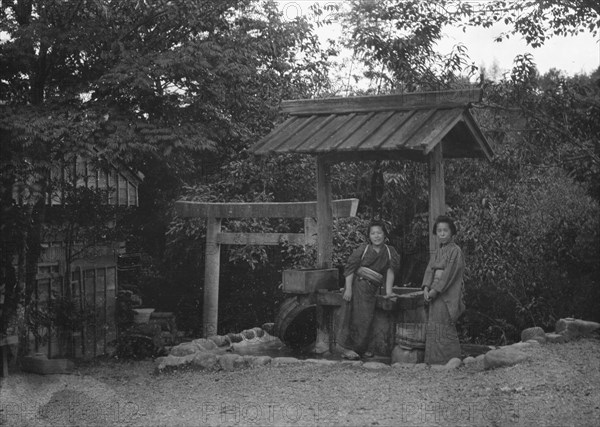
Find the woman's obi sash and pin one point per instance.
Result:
(370, 275)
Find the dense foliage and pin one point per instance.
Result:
(170, 88)
(180, 89)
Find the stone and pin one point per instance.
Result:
(469, 361)
(268, 327)
(474, 363)
(206, 361)
(556, 338)
(438, 367)
(420, 366)
(220, 340)
(538, 339)
(171, 361)
(399, 365)
(322, 362)
(453, 363)
(40, 364)
(235, 338)
(520, 345)
(183, 349)
(248, 334)
(260, 361)
(258, 331)
(229, 362)
(529, 333)
(375, 365)
(240, 363)
(204, 344)
(575, 328)
(503, 357)
(278, 361)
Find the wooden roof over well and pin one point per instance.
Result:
(404, 126)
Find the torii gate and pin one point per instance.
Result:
(214, 212)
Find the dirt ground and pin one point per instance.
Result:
(558, 386)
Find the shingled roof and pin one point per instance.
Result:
(388, 126)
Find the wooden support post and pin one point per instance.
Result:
(324, 249)
(437, 191)
(212, 263)
(324, 214)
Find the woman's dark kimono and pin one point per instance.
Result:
(356, 315)
(444, 274)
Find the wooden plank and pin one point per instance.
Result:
(324, 215)
(437, 192)
(442, 124)
(361, 156)
(365, 131)
(328, 134)
(260, 238)
(483, 142)
(210, 312)
(405, 101)
(276, 133)
(382, 136)
(340, 209)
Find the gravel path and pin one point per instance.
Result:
(558, 386)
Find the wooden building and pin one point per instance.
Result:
(93, 277)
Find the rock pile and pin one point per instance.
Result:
(215, 353)
(565, 331)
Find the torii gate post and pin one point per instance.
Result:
(214, 212)
(212, 268)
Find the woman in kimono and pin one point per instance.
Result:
(443, 292)
(368, 268)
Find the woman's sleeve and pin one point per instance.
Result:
(353, 261)
(394, 260)
(452, 272)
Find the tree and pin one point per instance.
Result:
(396, 41)
(535, 20)
(153, 84)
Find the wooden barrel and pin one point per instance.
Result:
(411, 323)
(296, 323)
(411, 335)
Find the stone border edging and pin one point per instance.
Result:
(213, 353)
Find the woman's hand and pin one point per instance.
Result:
(426, 296)
(347, 294)
(433, 293)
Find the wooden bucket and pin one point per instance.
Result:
(411, 335)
